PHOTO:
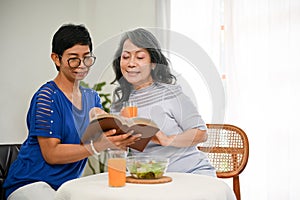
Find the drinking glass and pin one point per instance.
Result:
(116, 167)
(129, 109)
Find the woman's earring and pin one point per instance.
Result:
(153, 66)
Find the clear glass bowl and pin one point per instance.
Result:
(147, 167)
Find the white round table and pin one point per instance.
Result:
(183, 186)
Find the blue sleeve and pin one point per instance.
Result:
(44, 115)
(98, 101)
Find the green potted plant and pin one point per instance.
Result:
(105, 98)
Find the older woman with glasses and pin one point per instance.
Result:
(57, 118)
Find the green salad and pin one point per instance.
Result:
(147, 170)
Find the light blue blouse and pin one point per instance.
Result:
(174, 113)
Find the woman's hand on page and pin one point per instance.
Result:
(122, 141)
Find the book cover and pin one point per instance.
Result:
(146, 127)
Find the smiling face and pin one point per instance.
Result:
(136, 65)
(73, 74)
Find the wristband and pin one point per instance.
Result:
(93, 149)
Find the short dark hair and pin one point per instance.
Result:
(69, 35)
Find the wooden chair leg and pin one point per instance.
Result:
(236, 187)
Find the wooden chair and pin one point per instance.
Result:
(227, 148)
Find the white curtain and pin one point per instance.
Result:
(262, 62)
(199, 21)
(162, 20)
(262, 67)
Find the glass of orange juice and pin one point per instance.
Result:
(129, 109)
(116, 167)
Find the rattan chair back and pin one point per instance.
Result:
(227, 147)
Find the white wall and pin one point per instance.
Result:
(26, 32)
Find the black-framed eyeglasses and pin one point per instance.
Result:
(88, 61)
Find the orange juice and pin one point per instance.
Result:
(116, 172)
(130, 111)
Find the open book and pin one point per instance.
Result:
(104, 122)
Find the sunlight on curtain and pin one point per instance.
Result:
(198, 20)
(263, 90)
(262, 66)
